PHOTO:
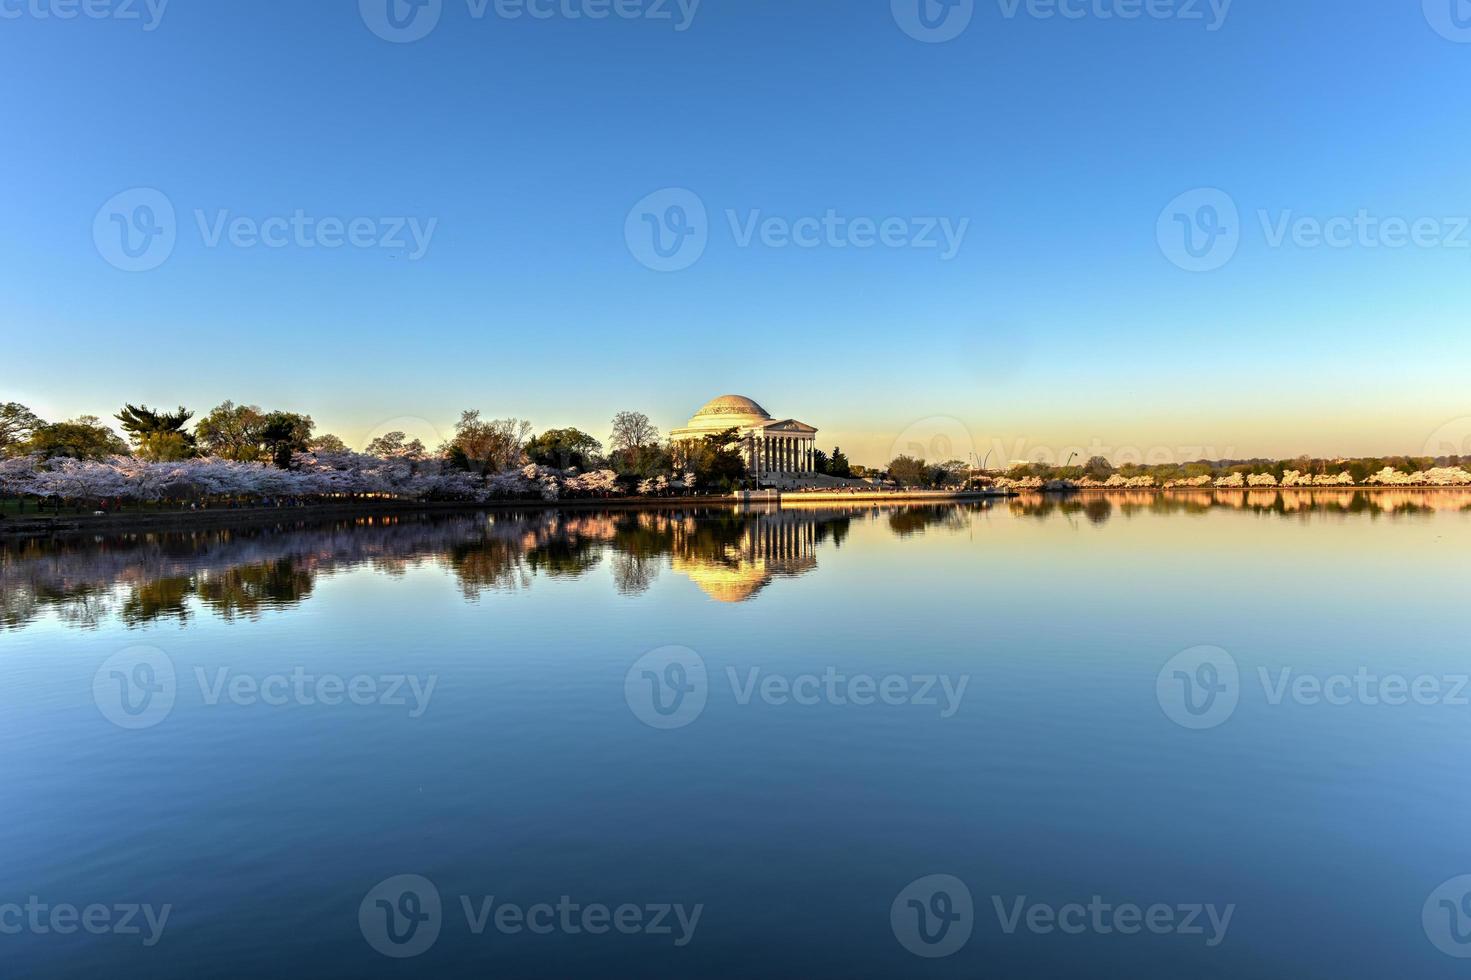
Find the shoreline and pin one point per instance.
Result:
(28, 526)
(36, 526)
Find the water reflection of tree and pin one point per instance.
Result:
(733, 555)
(164, 598)
(248, 590)
(1301, 504)
(487, 566)
(915, 520)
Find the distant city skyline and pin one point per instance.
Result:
(1163, 232)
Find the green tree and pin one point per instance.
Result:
(908, 471)
(838, 464)
(84, 437)
(632, 430)
(1099, 468)
(633, 447)
(564, 449)
(158, 436)
(17, 424)
(164, 447)
(952, 472)
(820, 462)
(328, 443)
(717, 460)
(396, 445)
(488, 447)
(232, 432)
(283, 434)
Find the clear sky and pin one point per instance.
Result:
(1063, 317)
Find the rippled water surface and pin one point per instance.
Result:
(715, 743)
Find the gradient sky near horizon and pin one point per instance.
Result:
(1062, 320)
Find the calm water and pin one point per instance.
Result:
(742, 745)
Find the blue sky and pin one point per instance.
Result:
(1061, 319)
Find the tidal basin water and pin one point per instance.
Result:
(1215, 735)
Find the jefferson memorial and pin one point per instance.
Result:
(774, 449)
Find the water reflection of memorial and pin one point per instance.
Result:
(760, 549)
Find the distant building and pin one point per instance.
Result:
(773, 449)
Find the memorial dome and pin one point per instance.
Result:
(729, 411)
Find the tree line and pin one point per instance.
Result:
(232, 450)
